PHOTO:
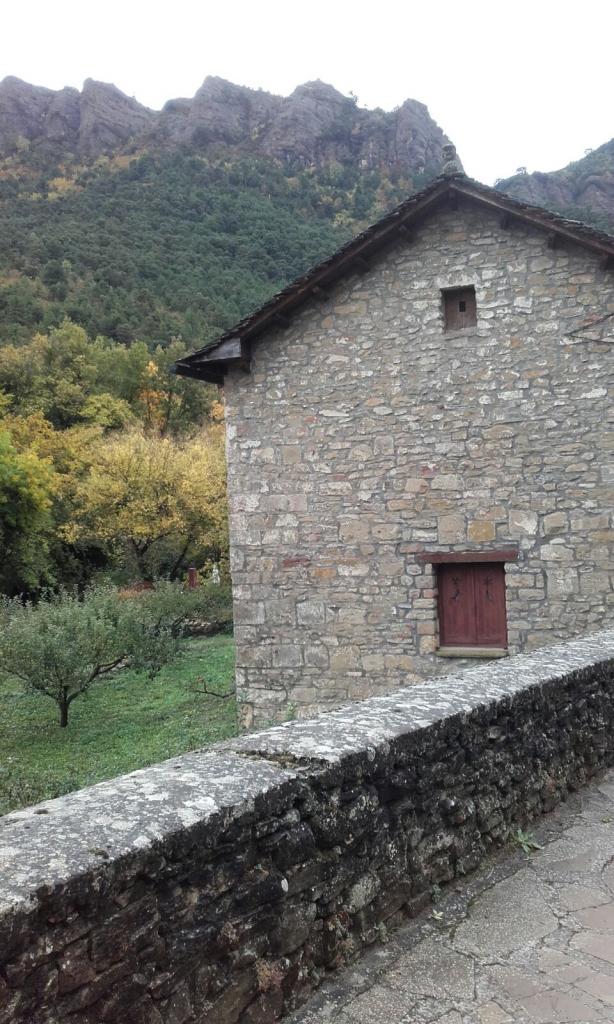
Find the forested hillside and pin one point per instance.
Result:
(142, 224)
(165, 245)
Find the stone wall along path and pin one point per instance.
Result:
(530, 940)
(225, 885)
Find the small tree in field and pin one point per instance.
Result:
(64, 644)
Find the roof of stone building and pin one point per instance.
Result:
(209, 362)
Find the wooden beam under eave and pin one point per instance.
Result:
(607, 263)
(404, 231)
(506, 221)
(320, 293)
(362, 265)
(207, 374)
(554, 240)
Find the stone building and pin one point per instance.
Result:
(420, 451)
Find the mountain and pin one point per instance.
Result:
(315, 125)
(149, 224)
(584, 190)
(94, 121)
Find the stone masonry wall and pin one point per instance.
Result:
(365, 434)
(220, 887)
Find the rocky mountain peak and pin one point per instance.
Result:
(109, 119)
(317, 89)
(314, 125)
(22, 111)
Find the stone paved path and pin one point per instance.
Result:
(530, 940)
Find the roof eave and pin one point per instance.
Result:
(542, 218)
(211, 362)
(353, 258)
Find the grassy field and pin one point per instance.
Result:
(123, 723)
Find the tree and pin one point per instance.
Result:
(27, 487)
(155, 499)
(71, 380)
(167, 402)
(53, 374)
(66, 454)
(166, 244)
(63, 398)
(65, 643)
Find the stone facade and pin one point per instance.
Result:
(366, 434)
(222, 886)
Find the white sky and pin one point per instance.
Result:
(522, 83)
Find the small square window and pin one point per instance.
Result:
(459, 308)
(472, 605)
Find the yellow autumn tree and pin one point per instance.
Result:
(67, 451)
(157, 502)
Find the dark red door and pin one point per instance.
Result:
(472, 605)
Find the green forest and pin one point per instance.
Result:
(176, 245)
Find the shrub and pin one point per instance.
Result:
(181, 609)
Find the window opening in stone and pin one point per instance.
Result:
(459, 307)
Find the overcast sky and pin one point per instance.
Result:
(512, 84)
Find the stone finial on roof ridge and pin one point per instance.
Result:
(451, 163)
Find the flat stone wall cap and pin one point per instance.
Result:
(49, 843)
(370, 724)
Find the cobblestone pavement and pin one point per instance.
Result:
(529, 940)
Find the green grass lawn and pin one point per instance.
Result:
(125, 722)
